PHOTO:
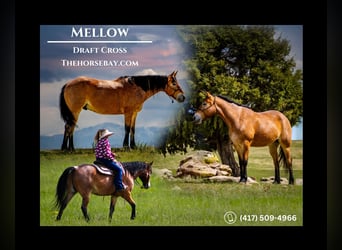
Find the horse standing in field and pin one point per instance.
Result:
(124, 95)
(249, 128)
(87, 179)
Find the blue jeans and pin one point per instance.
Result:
(115, 166)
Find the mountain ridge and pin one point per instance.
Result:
(83, 138)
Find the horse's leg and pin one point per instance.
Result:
(243, 169)
(132, 137)
(65, 138)
(288, 161)
(71, 142)
(127, 195)
(65, 203)
(68, 139)
(273, 151)
(112, 206)
(130, 119)
(243, 152)
(127, 129)
(85, 202)
(71, 134)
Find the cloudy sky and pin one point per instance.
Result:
(136, 50)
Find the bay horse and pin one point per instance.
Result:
(124, 95)
(87, 179)
(249, 128)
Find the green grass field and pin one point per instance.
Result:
(180, 202)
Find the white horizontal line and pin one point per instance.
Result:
(99, 41)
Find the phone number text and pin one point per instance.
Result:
(267, 217)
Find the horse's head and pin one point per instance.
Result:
(205, 110)
(145, 175)
(173, 88)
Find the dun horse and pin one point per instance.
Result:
(248, 128)
(87, 179)
(124, 95)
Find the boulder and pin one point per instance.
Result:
(202, 164)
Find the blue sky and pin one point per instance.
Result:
(294, 34)
(161, 54)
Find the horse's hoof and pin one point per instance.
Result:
(243, 180)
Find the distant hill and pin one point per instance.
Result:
(149, 136)
(83, 138)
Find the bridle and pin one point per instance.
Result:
(178, 89)
(214, 103)
(138, 177)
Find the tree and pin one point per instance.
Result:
(245, 63)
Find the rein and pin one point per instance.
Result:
(134, 175)
(136, 181)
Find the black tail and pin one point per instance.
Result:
(66, 114)
(61, 188)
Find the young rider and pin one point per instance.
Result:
(104, 154)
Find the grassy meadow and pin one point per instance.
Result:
(179, 202)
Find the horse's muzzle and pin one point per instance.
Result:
(197, 119)
(180, 98)
(146, 186)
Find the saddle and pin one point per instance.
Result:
(103, 169)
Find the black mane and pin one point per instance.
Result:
(231, 101)
(134, 166)
(148, 82)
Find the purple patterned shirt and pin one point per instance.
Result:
(103, 149)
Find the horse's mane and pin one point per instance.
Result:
(231, 101)
(146, 82)
(133, 166)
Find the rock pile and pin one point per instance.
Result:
(202, 164)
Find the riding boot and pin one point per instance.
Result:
(120, 191)
(119, 185)
(120, 188)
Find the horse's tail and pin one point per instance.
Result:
(66, 114)
(61, 194)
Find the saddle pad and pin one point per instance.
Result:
(101, 168)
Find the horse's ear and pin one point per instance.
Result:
(151, 163)
(202, 94)
(174, 73)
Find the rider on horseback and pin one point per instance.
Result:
(104, 154)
